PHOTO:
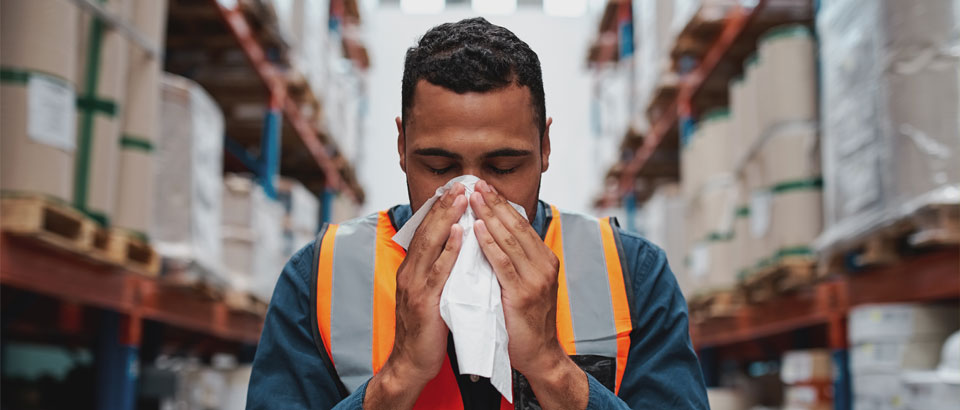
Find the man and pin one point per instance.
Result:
(594, 315)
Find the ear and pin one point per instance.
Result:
(401, 144)
(545, 147)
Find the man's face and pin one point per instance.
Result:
(491, 135)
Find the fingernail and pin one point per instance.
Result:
(481, 185)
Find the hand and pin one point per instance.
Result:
(527, 270)
(420, 337)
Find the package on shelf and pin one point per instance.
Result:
(928, 391)
(891, 91)
(786, 77)
(895, 356)
(754, 195)
(102, 56)
(140, 125)
(342, 208)
(39, 88)
(188, 384)
(710, 215)
(653, 46)
(808, 397)
(664, 224)
(189, 176)
(877, 391)
(344, 102)
(727, 399)
(935, 389)
(791, 165)
(901, 321)
(252, 236)
(302, 208)
(806, 366)
(746, 106)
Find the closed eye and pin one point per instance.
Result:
(502, 171)
(440, 171)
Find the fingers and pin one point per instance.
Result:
(502, 265)
(507, 226)
(441, 268)
(435, 228)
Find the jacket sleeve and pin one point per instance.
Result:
(288, 369)
(662, 370)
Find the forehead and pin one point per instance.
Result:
(440, 112)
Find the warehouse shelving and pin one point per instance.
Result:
(928, 277)
(45, 270)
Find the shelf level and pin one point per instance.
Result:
(929, 277)
(45, 270)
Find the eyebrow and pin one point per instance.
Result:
(503, 152)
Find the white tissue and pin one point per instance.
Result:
(470, 303)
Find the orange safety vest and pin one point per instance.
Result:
(356, 264)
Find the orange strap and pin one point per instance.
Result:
(554, 240)
(618, 295)
(325, 285)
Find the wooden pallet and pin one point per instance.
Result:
(786, 275)
(244, 302)
(132, 252)
(929, 227)
(714, 304)
(48, 221)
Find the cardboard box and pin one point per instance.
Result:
(38, 94)
(141, 121)
(787, 84)
(901, 322)
(302, 206)
(726, 399)
(806, 366)
(101, 89)
(896, 356)
(252, 236)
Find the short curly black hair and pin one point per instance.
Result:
(473, 55)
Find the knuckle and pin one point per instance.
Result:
(520, 224)
(511, 241)
(503, 261)
(554, 262)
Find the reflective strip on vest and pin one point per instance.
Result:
(593, 316)
(356, 291)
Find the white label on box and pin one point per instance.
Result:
(760, 204)
(51, 112)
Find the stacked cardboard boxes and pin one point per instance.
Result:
(807, 376)
(140, 128)
(889, 340)
(664, 224)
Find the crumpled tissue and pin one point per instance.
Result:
(470, 303)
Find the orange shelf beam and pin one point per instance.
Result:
(72, 278)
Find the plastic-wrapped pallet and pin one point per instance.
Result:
(38, 79)
(888, 340)
(748, 106)
(759, 242)
(664, 223)
(252, 237)
(891, 84)
(189, 176)
(787, 83)
(141, 121)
